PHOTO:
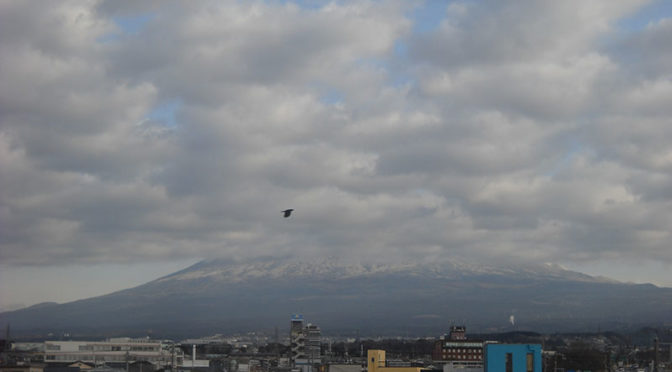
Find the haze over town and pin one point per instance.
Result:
(137, 138)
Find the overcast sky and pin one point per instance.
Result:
(139, 137)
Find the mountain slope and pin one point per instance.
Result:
(225, 296)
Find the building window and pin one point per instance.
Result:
(530, 362)
(509, 362)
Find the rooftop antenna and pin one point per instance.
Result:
(277, 343)
(361, 346)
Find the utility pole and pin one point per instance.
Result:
(172, 357)
(277, 344)
(655, 354)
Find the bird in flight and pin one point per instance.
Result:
(287, 212)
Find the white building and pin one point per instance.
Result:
(305, 342)
(114, 350)
(297, 339)
(313, 343)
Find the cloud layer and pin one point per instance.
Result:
(534, 130)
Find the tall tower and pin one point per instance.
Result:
(297, 339)
(313, 343)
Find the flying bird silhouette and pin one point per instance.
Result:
(287, 212)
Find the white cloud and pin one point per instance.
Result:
(519, 133)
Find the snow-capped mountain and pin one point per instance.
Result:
(220, 296)
(333, 268)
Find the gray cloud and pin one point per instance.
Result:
(646, 53)
(513, 138)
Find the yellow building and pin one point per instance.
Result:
(376, 363)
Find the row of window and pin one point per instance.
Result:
(105, 358)
(463, 351)
(470, 357)
(115, 348)
(52, 347)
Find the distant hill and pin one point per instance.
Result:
(225, 296)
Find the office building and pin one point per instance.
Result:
(455, 347)
(115, 350)
(512, 358)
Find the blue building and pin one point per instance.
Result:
(512, 358)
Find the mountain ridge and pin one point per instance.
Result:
(240, 271)
(220, 296)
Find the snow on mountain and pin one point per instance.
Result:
(333, 268)
(340, 296)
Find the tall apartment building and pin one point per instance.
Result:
(297, 341)
(313, 342)
(305, 342)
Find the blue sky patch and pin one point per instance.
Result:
(574, 148)
(306, 4)
(428, 16)
(128, 25)
(133, 24)
(165, 113)
(399, 75)
(650, 13)
(332, 97)
(400, 49)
